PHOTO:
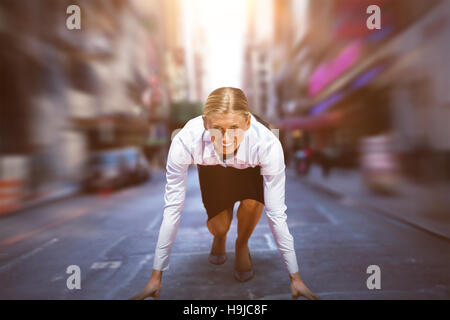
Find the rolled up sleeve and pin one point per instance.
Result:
(178, 161)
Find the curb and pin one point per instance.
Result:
(321, 188)
(31, 204)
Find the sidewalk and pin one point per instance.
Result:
(51, 193)
(424, 207)
(59, 191)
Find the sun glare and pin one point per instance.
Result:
(223, 25)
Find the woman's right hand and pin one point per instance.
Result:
(152, 288)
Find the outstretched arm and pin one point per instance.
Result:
(276, 217)
(176, 175)
(178, 162)
(274, 177)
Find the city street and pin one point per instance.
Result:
(112, 238)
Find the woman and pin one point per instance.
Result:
(238, 159)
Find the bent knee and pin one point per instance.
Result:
(251, 205)
(218, 230)
(219, 225)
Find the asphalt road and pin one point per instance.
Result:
(112, 239)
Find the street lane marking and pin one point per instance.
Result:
(329, 215)
(106, 265)
(112, 246)
(130, 277)
(57, 278)
(251, 295)
(75, 214)
(28, 254)
(23, 236)
(208, 252)
(153, 222)
(116, 199)
(270, 242)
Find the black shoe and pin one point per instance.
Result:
(243, 276)
(220, 259)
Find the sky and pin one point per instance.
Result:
(217, 27)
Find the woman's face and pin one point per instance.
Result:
(226, 130)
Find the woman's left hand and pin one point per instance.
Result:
(298, 288)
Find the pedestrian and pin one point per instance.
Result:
(238, 159)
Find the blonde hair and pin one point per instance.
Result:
(226, 100)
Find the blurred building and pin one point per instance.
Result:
(66, 93)
(339, 83)
(257, 68)
(274, 27)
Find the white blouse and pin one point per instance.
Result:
(259, 147)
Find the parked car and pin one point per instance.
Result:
(115, 169)
(135, 168)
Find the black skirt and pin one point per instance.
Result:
(222, 187)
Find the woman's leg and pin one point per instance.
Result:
(248, 215)
(219, 226)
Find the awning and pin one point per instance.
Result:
(122, 123)
(315, 122)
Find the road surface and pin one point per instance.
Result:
(112, 239)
